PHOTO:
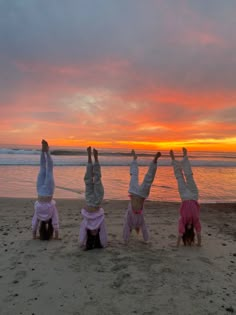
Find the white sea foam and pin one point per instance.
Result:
(73, 158)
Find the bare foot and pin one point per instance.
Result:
(172, 154)
(185, 152)
(134, 155)
(95, 154)
(158, 154)
(44, 146)
(89, 150)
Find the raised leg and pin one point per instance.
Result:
(191, 184)
(45, 180)
(98, 186)
(134, 175)
(88, 180)
(149, 177)
(182, 187)
(49, 180)
(42, 172)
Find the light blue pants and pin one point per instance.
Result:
(142, 190)
(94, 190)
(186, 185)
(45, 180)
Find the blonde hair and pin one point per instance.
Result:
(137, 202)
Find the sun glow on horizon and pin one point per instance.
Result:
(228, 145)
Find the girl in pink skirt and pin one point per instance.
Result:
(92, 229)
(189, 209)
(134, 217)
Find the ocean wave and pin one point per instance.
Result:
(74, 152)
(64, 157)
(119, 163)
(19, 151)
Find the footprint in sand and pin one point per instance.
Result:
(20, 275)
(37, 284)
(121, 278)
(155, 268)
(119, 267)
(29, 256)
(205, 260)
(166, 270)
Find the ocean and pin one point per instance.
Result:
(214, 172)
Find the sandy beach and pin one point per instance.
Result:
(57, 277)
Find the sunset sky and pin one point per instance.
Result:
(119, 73)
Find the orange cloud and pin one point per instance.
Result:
(147, 117)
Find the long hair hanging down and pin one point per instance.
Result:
(188, 236)
(93, 241)
(46, 230)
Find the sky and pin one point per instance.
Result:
(129, 73)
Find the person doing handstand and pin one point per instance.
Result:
(190, 208)
(134, 217)
(45, 212)
(92, 232)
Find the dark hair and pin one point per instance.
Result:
(189, 235)
(46, 230)
(93, 241)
